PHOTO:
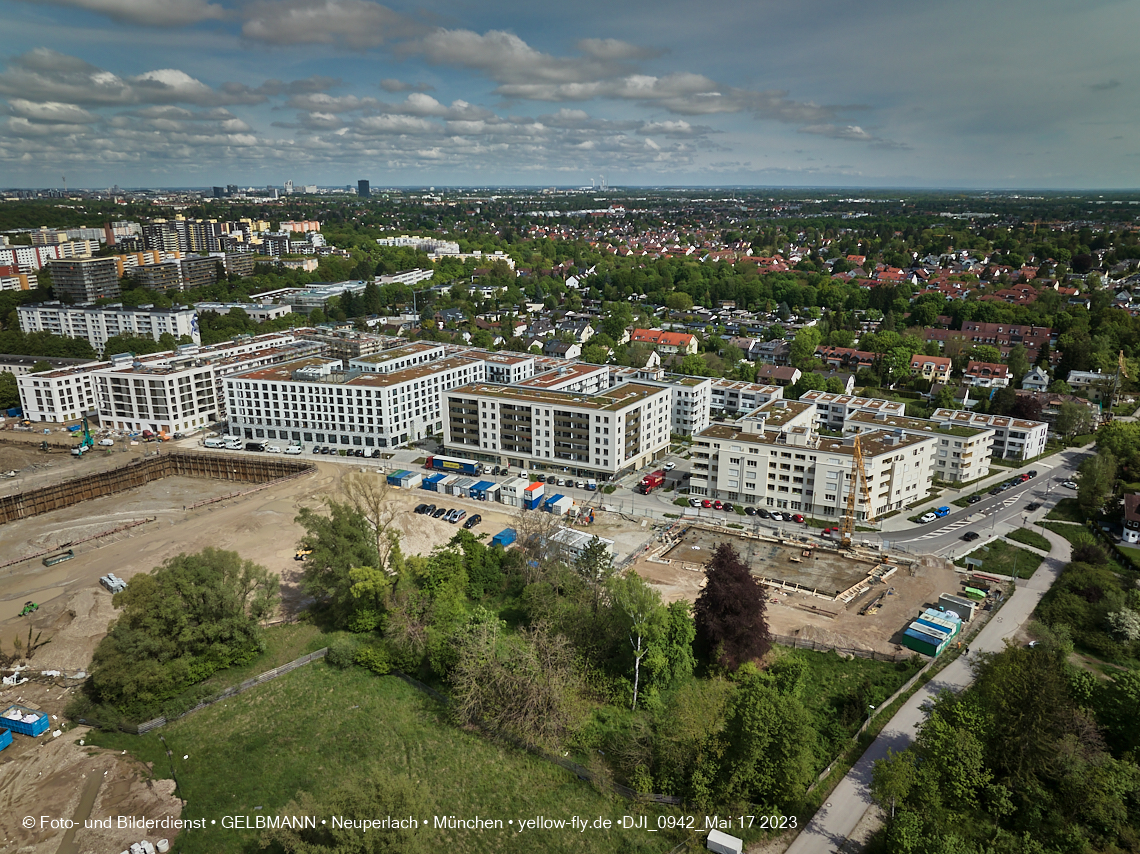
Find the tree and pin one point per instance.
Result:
(731, 624)
(595, 566)
(1018, 363)
(892, 779)
(641, 606)
(803, 346)
(679, 301)
(180, 623)
(1060, 387)
(1073, 419)
(339, 541)
(9, 391)
(370, 495)
(694, 365)
(985, 353)
(1098, 478)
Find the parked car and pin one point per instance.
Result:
(457, 515)
(429, 510)
(797, 517)
(294, 450)
(777, 516)
(827, 532)
(762, 513)
(670, 466)
(473, 521)
(941, 511)
(1033, 473)
(973, 499)
(751, 511)
(707, 502)
(1069, 484)
(495, 471)
(439, 512)
(421, 509)
(580, 484)
(927, 517)
(728, 508)
(970, 536)
(694, 502)
(717, 504)
(106, 442)
(272, 449)
(551, 479)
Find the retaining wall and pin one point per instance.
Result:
(233, 467)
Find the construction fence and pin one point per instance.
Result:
(873, 655)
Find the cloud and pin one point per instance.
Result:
(1104, 87)
(355, 24)
(390, 84)
(147, 13)
(51, 112)
(614, 49)
(850, 133)
(325, 103)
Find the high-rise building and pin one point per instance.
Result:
(83, 280)
(363, 189)
(288, 188)
(219, 192)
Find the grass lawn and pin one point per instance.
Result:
(310, 727)
(1030, 538)
(282, 644)
(1067, 510)
(1000, 558)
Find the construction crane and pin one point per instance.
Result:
(858, 474)
(86, 443)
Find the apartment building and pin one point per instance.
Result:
(733, 397)
(65, 394)
(562, 375)
(255, 311)
(775, 458)
(97, 324)
(168, 397)
(346, 345)
(833, 410)
(1014, 438)
(163, 276)
(199, 271)
(317, 400)
(590, 435)
(84, 280)
(398, 358)
(963, 452)
(11, 279)
(28, 259)
(691, 407)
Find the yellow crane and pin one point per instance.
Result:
(858, 474)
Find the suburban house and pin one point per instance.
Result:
(933, 368)
(665, 342)
(777, 375)
(1035, 380)
(561, 349)
(1131, 533)
(1092, 383)
(986, 375)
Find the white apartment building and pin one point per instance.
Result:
(65, 394)
(507, 368)
(98, 324)
(408, 277)
(398, 358)
(569, 376)
(256, 311)
(691, 395)
(774, 458)
(1014, 438)
(593, 435)
(315, 400)
(834, 409)
(963, 451)
(31, 258)
(734, 397)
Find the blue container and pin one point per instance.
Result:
(15, 412)
(5, 738)
(429, 482)
(394, 477)
(37, 727)
(504, 538)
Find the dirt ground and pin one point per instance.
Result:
(828, 622)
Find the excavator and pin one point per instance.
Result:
(86, 443)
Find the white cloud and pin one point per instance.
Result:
(321, 102)
(356, 24)
(148, 13)
(391, 84)
(390, 124)
(52, 112)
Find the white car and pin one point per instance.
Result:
(1069, 484)
(272, 449)
(106, 442)
(694, 502)
(777, 516)
(293, 450)
(670, 466)
(928, 517)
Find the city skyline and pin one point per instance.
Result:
(196, 93)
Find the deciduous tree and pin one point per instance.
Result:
(730, 614)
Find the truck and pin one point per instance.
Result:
(651, 481)
(215, 442)
(453, 464)
(233, 443)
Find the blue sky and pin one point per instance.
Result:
(1038, 94)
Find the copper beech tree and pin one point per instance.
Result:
(730, 617)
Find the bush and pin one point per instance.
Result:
(342, 652)
(374, 657)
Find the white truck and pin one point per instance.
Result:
(233, 443)
(215, 442)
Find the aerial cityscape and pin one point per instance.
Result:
(591, 430)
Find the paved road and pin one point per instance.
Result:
(827, 832)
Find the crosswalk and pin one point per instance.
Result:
(953, 526)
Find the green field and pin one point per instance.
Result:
(1067, 510)
(1029, 538)
(1000, 558)
(310, 728)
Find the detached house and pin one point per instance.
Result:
(986, 375)
(933, 368)
(665, 342)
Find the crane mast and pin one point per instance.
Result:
(858, 475)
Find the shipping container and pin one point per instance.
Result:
(394, 477)
(549, 501)
(532, 496)
(443, 485)
(963, 608)
(504, 538)
(24, 720)
(15, 412)
(431, 481)
(478, 490)
(454, 464)
(410, 480)
(491, 493)
(560, 505)
(5, 738)
(462, 486)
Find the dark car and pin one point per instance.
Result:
(751, 511)
(429, 509)
(495, 471)
(1032, 507)
(473, 521)
(995, 491)
(973, 499)
(728, 508)
(439, 512)
(970, 536)
(762, 513)
(421, 509)
(1033, 473)
(360, 452)
(551, 479)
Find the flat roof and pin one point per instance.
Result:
(872, 419)
(961, 416)
(779, 412)
(409, 349)
(851, 400)
(872, 443)
(741, 385)
(283, 372)
(611, 400)
(565, 373)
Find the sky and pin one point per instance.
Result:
(1037, 94)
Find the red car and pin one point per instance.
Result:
(707, 502)
(716, 504)
(797, 518)
(827, 532)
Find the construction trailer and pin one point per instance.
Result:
(931, 632)
(431, 481)
(532, 496)
(460, 486)
(512, 492)
(478, 490)
(571, 544)
(963, 608)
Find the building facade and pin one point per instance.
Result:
(84, 280)
(833, 410)
(98, 324)
(1014, 438)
